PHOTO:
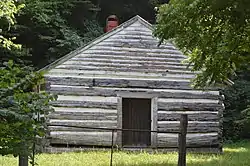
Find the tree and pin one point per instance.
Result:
(237, 114)
(19, 106)
(51, 29)
(8, 9)
(213, 33)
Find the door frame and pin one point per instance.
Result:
(154, 117)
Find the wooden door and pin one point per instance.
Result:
(136, 114)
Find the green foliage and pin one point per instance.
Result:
(51, 29)
(8, 9)
(237, 114)
(213, 33)
(19, 108)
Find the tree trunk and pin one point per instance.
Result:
(23, 161)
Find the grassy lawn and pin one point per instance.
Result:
(234, 155)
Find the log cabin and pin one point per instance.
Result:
(124, 80)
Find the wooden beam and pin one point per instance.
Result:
(85, 123)
(192, 115)
(82, 138)
(121, 82)
(193, 140)
(111, 91)
(177, 106)
(82, 116)
(193, 126)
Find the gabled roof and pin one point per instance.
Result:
(98, 40)
(128, 52)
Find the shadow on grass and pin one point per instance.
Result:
(232, 156)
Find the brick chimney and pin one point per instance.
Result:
(111, 23)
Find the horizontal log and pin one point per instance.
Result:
(82, 64)
(69, 73)
(79, 111)
(164, 71)
(136, 28)
(124, 57)
(180, 106)
(138, 43)
(192, 115)
(82, 138)
(83, 116)
(193, 126)
(86, 104)
(87, 98)
(195, 101)
(161, 93)
(193, 140)
(73, 129)
(122, 83)
(131, 51)
(124, 61)
(114, 74)
(91, 73)
(128, 37)
(84, 123)
(104, 139)
(136, 32)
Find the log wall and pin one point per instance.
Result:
(129, 61)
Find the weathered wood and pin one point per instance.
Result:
(87, 98)
(164, 71)
(83, 65)
(117, 75)
(52, 128)
(153, 52)
(193, 126)
(82, 138)
(85, 123)
(192, 115)
(138, 43)
(124, 61)
(158, 50)
(127, 60)
(154, 117)
(110, 91)
(220, 133)
(182, 140)
(193, 140)
(122, 83)
(172, 106)
(82, 116)
(79, 111)
(126, 74)
(123, 57)
(84, 104)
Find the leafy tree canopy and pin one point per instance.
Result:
(8, 9)
(213, 33)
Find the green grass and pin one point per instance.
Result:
(234, 155)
